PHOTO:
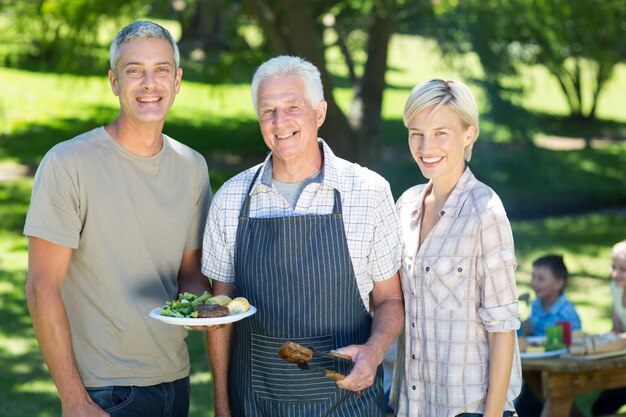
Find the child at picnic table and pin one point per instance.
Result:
(610, 401)
(549, 279)
(550, 306)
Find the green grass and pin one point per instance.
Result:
(38, 110)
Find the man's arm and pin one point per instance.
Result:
(501, 346)
(218, 343)
(387, 304)
(47, 267)
(190, 278)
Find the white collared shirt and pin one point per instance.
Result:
(369, 215)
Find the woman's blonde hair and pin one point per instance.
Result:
(452, 93)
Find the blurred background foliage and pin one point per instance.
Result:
(579, 43)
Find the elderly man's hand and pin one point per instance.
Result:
(366, 359)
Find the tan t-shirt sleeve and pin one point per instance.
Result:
(203, 201)
(54, 212)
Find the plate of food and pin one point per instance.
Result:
(534, 347)
(204, 310)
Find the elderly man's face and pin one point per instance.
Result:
(288, 121)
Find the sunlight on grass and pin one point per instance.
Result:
(200, 103)
(49, 98)
(413, 59)
(20, 368)
(200, 377)
(15, 346)
(14, 256)
(45, 97)
(6, 287)
(544, 93)
(40, 386)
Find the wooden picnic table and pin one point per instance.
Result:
(558, 379)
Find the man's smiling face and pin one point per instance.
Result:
(289, 122)
(146, 80)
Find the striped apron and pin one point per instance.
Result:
(298, 273)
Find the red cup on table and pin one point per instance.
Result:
(567, 331)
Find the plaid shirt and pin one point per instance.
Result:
(458, 286)
(370, 219)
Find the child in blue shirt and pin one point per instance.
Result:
(548, 282)
(550, 305)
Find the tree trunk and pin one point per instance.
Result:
(267, 20)
(347, 55)
(307, 42)
(603, 74)
(366, 111)
(567, 86)
(195, 26)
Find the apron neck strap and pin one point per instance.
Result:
(245, 207)
(337, 209)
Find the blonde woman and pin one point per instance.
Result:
(459, 354)
(610, 401)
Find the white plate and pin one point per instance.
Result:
(538, 355)
(536, 339)
(204, 321)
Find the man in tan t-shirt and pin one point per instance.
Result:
(115, 228)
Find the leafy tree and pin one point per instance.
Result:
(59, 31)
(206, 24)
(298, 27)
(578, 41)
(63, 33)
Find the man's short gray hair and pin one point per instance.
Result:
(289, 66)
(141, 29)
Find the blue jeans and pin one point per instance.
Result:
(170, 399)
(528, 404)
(505, 414)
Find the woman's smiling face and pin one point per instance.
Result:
(437, 140)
